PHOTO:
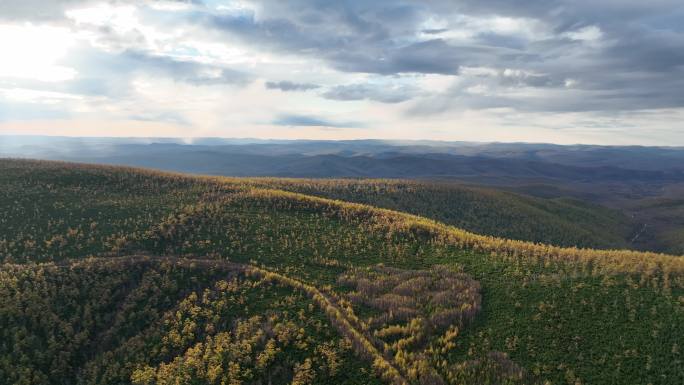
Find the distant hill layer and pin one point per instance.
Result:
(364, 158)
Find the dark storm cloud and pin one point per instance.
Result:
(286, 85)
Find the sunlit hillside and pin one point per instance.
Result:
(117, 275)
(557, 221)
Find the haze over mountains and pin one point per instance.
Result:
(363, 158)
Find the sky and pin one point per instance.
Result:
(559, 71)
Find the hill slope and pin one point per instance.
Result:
(558, 221)
(444, 306)
(163, 320)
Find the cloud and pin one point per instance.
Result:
(378, 93)
(41, 61)
(37, 10)
(312, 121)
(181, 70)
(533, 57)
(20, 111)
(599, 46)
(286, 85)
(167, 117)
(54, 10)
(112, 73)
(434, 31)
(606, 46)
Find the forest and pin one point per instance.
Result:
(557, 221)
(115, 275)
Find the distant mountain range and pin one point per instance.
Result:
(485, 162)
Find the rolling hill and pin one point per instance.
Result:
(632, 182)
(557, 221)
(117, 275)
(576, 182)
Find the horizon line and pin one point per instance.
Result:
(188, 140)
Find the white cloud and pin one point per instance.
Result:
(33, 52)
(115, 28)
(464, 27)
(479, 71)
(591, 33)
(470, 65)
(434, 83)
(239, 7)
(173, 6)
(36, 96)
(569, 83)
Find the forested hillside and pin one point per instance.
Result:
(558, 221)
(114, 275)
(164, 321)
